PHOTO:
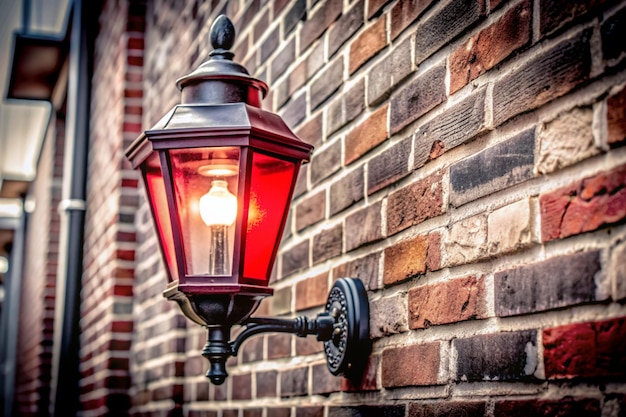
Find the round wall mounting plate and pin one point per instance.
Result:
(348, 348)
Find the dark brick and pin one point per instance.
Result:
(279, 412)
(455, 16)
(326, 162)
(558, 282)
(296, 258)
(367, 381)
(455, 126)
(584, 205)
(311, 131)
(417, 98)
(294, 15)
(283, 59)
(564, 407)
(327, 244)
(346, 107)
(413, 365)
(242, 387)
(278, 345)
(266, 384)
(294, 111)
(545, 77)
(389, 166)
(616, 118)
(294, 382)
(501, 166)
(345, 27)
(554, 14)
(375, 6)
(490, 46)
(312, 292)
(503, 357)
(415, 203)
(363, 226)
(269, 45)
(447, 409)
(613, 35)
(368, 411)
(390, 72)
(312, 411)
(586, 350)
(252, 412)
(346, 191)
(403, 13)
(311, 210)
(301, 183)
(365, 268)
(323, 381)
(327, 83)
(315, 26)
(252, 350)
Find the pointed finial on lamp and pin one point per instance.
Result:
(222, 36)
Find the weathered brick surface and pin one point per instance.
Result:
(368, 380)
(505, 164)
(389, 166)
(405, 260)
(566, 140)
(568, 406)
(490, 46)
(296, 258)
(417, 98)
(456, 408)
(367, 135)
(347, 191)
(415, 203)
(323, 382)
(455, 16)
(363, 226)
(365, 268)
(327, 83)
(319, 21)
(403, 13)
(345, 27)
(328, 244)
(326, 163)
(311, 210)
(457, 125)
(547, 76)
(557, 282)
(511, 227)
(312, 411)
(447, 302)
(616, 118)
(554, 14)
(584, 205)
(391, 71)
(411, 365)
(612, 32)
(294, 382)
(368, 410)
(586, 350)
(466, 241)
(617, 270)
(388, 315)
(501, 356)
(371, 41)
(346, 107)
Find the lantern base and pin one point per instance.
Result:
(343, 328)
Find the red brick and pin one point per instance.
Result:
(404, 13)
(369, 42)
(490, 46)
(616, 118)
(411, 365)
(365, 268)
(415, 203)
(311, 131)
(278, 346)
(242, 387)
(447, 302)
(586, 350)
(374, 6)
(367, 135)
(312, 292)
(584, 206)
(405, 260)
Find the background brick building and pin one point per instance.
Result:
(469, 167)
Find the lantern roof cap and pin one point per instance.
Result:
(220, 65)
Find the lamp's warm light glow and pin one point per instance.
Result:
(218, 206)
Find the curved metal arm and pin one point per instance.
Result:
(302, 326)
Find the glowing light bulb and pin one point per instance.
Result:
(218, 210)
(218, 206)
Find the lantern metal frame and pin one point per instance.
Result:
(220, 106)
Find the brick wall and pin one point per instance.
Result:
(469, 168)
(32, 385)
(112, 201)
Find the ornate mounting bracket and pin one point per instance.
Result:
(343, 328)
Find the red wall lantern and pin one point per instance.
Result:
(219, 174)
